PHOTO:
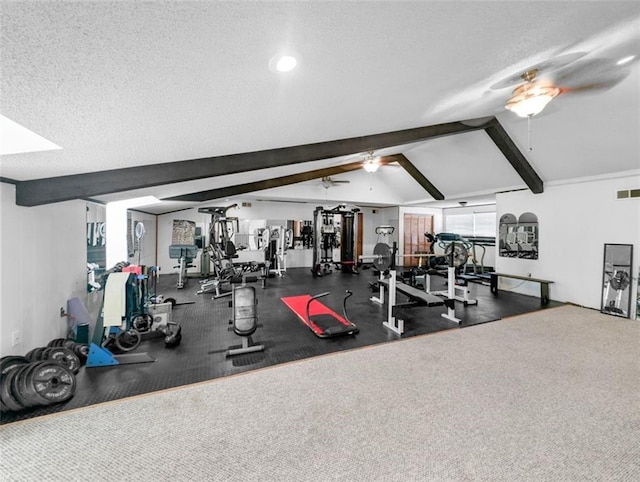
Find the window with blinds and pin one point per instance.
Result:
(472, 224)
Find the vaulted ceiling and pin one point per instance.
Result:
(176, 99)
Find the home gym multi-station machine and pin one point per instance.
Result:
(334, 233)
(222, 252)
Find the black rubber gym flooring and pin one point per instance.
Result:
(207, 333)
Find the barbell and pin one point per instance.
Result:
(383, 256)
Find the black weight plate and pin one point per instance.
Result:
(142, 322)
(16, 390)
(56, 342)
(37, 354)
(9, 402)
(24, 388)
(30, 353)
(82, 352)
(128, 340)
(9, 362)
(382, 256)
(52, 382)
(65, 357)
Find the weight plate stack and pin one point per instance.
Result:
(49, 382)
(56, 342)
(36, 354)
(36, 383)
(64, 356)
(7, 397)
(9, 364)
(17, 391)
(79, 349)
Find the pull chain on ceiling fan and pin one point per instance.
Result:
(531, 98)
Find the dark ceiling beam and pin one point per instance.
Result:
(419, 177)
(229, 191)
(64, 188)
(508, 148)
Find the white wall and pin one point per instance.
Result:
(372, 218)
(575, 221)
(42, 265)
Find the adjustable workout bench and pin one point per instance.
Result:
(245, 318)
(320, 319)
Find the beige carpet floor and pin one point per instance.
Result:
(549, 396)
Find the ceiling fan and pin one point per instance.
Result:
(328, 182)
(538, 85)
(371, 162)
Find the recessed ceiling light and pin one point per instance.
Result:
(626, 60)
(283, 63)
(286, 63)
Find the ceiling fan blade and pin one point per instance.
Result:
(595, 87)
(542, 68)
(590, 74)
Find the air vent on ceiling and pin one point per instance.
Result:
(628, 193)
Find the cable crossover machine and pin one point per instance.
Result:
(334, 229)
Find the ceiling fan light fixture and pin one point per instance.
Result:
(371, 164)
(531, 97)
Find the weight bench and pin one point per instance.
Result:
(320, 319)
(416, 298)
(544, 284)
(245, 318)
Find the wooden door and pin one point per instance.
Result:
(415, 225)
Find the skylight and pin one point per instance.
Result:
(16, 139)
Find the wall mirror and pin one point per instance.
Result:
(616, 279)
(527, 236)
(96, 245)
(518, 237)
(507, 228)
(251, 233)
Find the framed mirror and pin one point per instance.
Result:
(507, 236)
(616, 280)
(527, 236)
(96, 245)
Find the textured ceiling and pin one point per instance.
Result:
(121, 84)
